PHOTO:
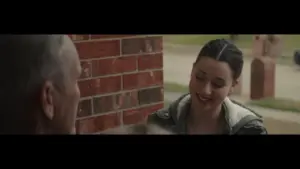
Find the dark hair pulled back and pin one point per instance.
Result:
(224, 51)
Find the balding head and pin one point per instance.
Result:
(34, 68)
(29, 59)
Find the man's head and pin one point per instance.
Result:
(39, 92)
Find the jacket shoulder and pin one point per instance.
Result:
(244, 120)
(254, 127)
(161, 118)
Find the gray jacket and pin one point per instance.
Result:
(240, 120)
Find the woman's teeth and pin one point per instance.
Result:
(203, 98)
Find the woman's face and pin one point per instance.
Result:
(211, 81)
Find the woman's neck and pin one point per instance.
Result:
(204, 121)
(210, 115)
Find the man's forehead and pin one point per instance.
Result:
(68, 47)
(69, 51)
(67, 41)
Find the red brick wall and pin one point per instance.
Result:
(121, 82)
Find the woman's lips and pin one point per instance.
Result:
(203, 99)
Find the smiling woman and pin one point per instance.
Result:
(206, 109)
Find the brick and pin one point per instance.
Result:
(86, 87)
(86, 69)
(107, 84)
(151, 78)
(99, 86)
(106, 75)
(98, 49)
(141, 45)
(133, 46)
(79, 37)
(98, 123)
(84, 108)
(130, 81)
(115, 102)
(104, 104)
(126, 100)
(154, 61)
(114, 65)
(132, 116)
(108, 36)
(154, 44)
(142, 79)
(137, 115)
(146, 111)
(152, 95)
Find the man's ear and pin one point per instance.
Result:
(47, 95)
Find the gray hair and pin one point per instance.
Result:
(51, 60)
(32, 59)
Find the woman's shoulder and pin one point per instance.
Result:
(161, 118)
(168, 117)
(254, 127)
(244, 120)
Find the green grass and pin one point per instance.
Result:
(277, 103)
(191, 39)
(285, 60)
(174, 87)
(290, 42)
(244, 40)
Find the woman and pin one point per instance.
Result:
(206, 109)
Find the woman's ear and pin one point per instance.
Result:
(234, 84)
(194, 64)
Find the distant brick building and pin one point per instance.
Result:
(121, 82)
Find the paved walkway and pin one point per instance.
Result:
(178, 63)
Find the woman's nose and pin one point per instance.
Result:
(206, 90)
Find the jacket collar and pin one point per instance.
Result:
(234, 111)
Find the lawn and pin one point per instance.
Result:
(174, 87)
(290, 42)
(278, 103)
(245, 42)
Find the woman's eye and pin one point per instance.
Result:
(199, 78)
(217, 85)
